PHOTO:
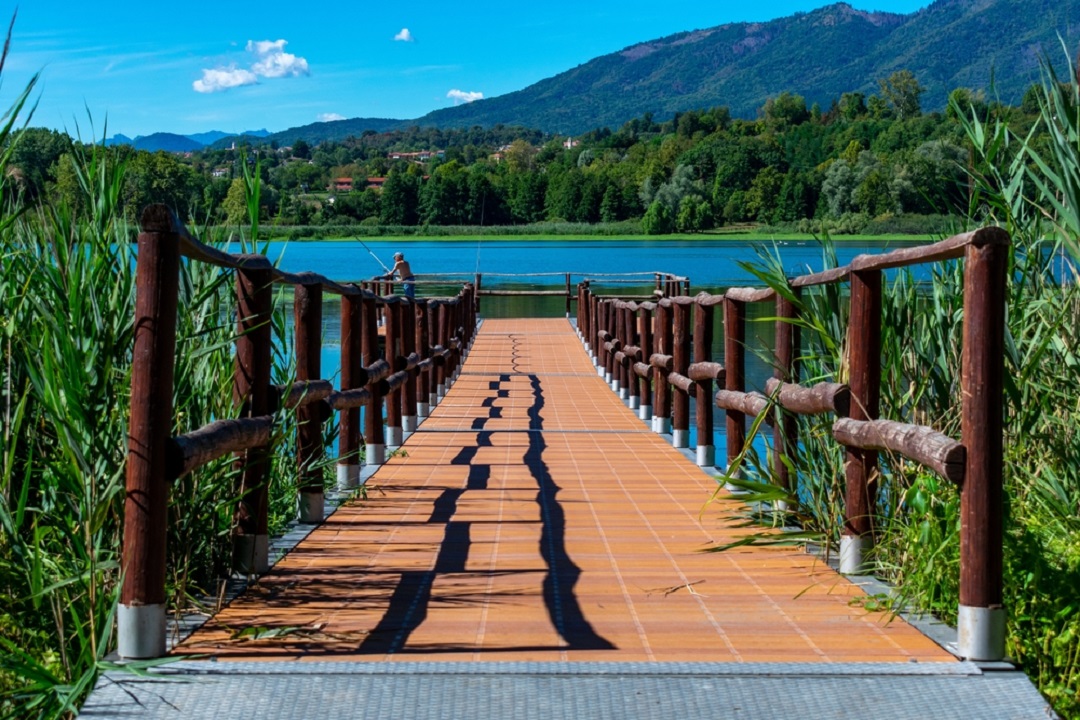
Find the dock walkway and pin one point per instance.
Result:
(535, 551)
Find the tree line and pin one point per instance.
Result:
(864, 160)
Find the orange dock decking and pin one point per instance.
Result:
(534, 517)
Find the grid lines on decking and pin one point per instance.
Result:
(534, 517)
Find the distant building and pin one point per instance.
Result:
(421, 156)
(376, 182)
(219, 172)
(570, 143)
(343, 184)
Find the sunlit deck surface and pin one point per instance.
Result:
(536, 554)
(533, 517)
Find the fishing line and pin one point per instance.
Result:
(385, 269)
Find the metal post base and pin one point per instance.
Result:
(680, 438)
(348, 477)
(624, 393)
(706, 455)
(312, 507)
(599, 369)
(375, 454)
(634, 402)
(981, 633)
(853, 553)
(433, 400)
(607, 377)
(393, 436)
(614, 385)
(645, 413)
(422, 410)
(408, 423)
(661, 425)
(140, 631)
(251, 554)
(441, 391)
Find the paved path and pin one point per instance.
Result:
(535, 525)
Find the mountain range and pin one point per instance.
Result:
(990, 45)
(171, 142)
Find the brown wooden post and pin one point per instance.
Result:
(645, 332)
(981, 621)
(605, 326)
(433, 339)
(633, 398)
(734, 373)
(860, 468)
(407, 318)
(680, 351)
(374, 439)
(141, 614)
(785, 429)
(703, 398)
(479, 279)
(621, 381)
(594, 329)
(568, 296)
(662, 389)
(392, 350)
(423, 347)
(307, 312)
(348, 464)
(251, 393)
(443, 314)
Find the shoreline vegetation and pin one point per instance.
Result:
(67, 295)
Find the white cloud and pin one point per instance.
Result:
(460, 96)
(404, 36)
(224, 78)
(273, 61)
(329, 117)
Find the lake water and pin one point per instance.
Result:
(711, 265)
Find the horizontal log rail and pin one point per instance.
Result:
(616, 329)
(218, 439)
(817, 399)
(748, 403)
(916, 442)
(302, 393)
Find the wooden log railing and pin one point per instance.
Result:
(372, 378)
(657, 350)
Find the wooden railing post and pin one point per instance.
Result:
(251, 393)
(703, 398)
(348, 464)
(981, 621)
(594, 330)
(785, 428)
(621, 382)
(661, 422)
(141, 613)
(680, 351)
(443, 313)
(423, 384)
(860, 468)
(307, 312)
(568, 296)
(607, 309)
(433, 339)
(392, 349)
(735, 373)
(374, 440)
(645, 332)
(633, 398)
(407, 319)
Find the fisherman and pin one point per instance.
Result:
(402, 270)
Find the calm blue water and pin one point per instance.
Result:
(711, 265)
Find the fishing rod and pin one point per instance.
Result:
(388, 271)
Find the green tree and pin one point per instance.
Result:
(903, 91)
(657, 220)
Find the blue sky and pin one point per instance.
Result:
(198, 66)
